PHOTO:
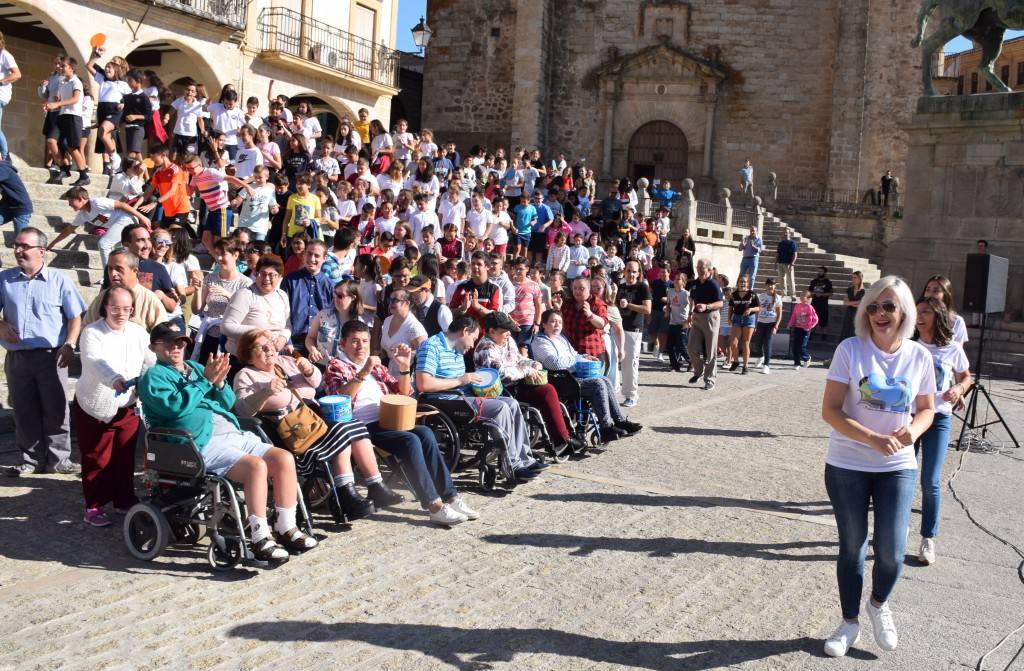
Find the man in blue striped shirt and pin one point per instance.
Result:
(440, 367)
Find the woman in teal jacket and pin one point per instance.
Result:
(178, 393)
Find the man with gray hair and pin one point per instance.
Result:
(706, 301)
(785, 258)
(42, 317)
(123, 271)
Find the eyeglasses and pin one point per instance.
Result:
(268, 276)
(888, 306)
(120, 311)
(22, 247)
(251, 250)
(161, 242)
(266, 349)
(176, 344)
(395, 299)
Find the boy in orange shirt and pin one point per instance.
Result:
(171, 182)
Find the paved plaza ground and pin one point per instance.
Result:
(706, 542)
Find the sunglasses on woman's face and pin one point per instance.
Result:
(888, 306)
(162, 242)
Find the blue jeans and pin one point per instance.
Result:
(3, 138)
(933, 445)
(748, 267)
(851, 493)
(20, 220)
(763, 337)
(421, 460)
(798, 345)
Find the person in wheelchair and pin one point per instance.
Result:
(178, 393)
(441, 368)
(363, 377)
(498, 350)
(267, 388)
(554, 351)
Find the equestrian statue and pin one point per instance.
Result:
(981, 21)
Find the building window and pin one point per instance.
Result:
(1020, 73)
(960, 85)
(974, 82)
(1004, 74)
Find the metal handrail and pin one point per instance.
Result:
(289, 32)
(225, 12)
(711, 212)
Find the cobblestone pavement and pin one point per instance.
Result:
(705, 542)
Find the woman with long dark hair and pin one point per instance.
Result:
(939, 286)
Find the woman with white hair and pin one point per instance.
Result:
(879, 399)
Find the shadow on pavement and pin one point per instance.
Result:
(712, 431)
(476, 649)
(44, 524)
(664, 500)
(584, 546)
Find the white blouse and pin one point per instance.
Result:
(107, 356)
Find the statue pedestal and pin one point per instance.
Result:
(965, 177)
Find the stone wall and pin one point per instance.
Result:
(842, 231)
(815, 91)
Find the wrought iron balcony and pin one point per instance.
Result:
(229, 13)
(286, 32)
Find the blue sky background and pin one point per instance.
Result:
(410, 11)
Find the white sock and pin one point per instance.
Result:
(285, 520)
(374, 479)
(259, 528)
(344, 479)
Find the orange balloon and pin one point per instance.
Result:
(97, 40)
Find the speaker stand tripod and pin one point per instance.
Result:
(977, 390)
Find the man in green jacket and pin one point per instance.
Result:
(178, 393)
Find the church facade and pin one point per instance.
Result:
(668, 89)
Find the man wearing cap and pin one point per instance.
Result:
(42, 317)
(498, 350)
(366, 380)
(434, 315)
(178, 393)
(440, 367)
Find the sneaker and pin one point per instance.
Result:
(83, 180)
(539, 466)
(883, 625)
(629, 403)
(927, 552)
(709, 385)
(458, 504)
(846, 635)
(96, 518)
(19, 470)
(55, 177)
(524, 474)
(766, 370)
(743, 371)
(694, 378)
(796, 366)
(447, 516)
(67, 467)
(661, 357)
(760, 362)
(805, 363)
(631, 428)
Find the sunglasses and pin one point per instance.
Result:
(393, 300)
(162, 242)
(888, 306)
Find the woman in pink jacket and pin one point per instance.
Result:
(802, 321)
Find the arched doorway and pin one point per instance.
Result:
(176, 65)
(658, 151)
(326, 112)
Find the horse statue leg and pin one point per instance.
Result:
(947, 29)
(991, 40)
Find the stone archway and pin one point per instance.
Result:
(328, 111)
(658, 150)
(172, 61)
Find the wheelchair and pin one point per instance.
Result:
(578, 413)
(467, 442)
(186, 503)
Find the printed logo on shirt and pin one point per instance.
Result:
(886, 394)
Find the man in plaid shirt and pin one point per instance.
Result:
(584, 318)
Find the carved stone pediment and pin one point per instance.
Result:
(665, 62)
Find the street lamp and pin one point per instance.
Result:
(421, 34)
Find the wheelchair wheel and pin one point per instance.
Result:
(225, 553)
(316, 490)
(488, 478)
(447, 436)
(559, 456)
(146, 531)
(187, 534)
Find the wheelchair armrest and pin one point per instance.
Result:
(254, 425)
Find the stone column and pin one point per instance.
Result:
(529, 59)
(685, 211)
(610, 95)
(709, 127)
(725, 194)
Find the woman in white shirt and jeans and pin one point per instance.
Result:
(879, 399)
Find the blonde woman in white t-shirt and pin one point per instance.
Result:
(879, 399)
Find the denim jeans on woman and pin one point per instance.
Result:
(852, 493)
(763, 340)
(933, 445)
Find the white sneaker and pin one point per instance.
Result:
(661, 357)
(459, 506)
(806, 363)
(766, 370)
(883, 625)
(760, 362)
(447, 516)
(927, 552)
(796, 366)
(846, 635)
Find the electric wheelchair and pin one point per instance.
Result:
(186, 503)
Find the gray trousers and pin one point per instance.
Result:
(703, 347)
(504, 412)
(39, 397)
(601, 394)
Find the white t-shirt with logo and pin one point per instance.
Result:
(402, 152)
(881, 390)
(770, 309)
(948, 360)
(246, 161)
(255, 214)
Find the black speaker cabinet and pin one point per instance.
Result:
(984, 288)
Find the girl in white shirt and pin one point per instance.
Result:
(189, 122)
(940, 287)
